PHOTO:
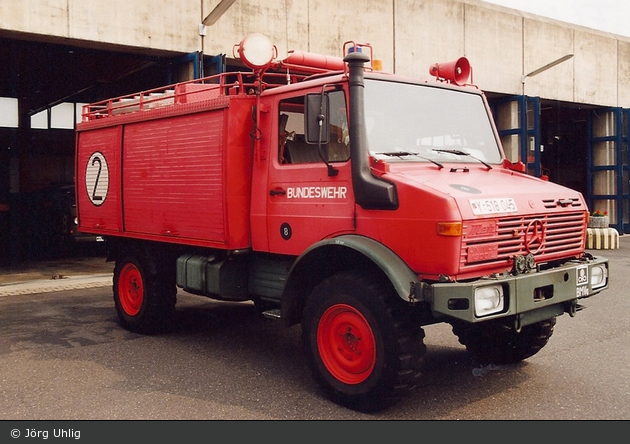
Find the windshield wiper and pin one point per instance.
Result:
(409, 153)
(463, 153)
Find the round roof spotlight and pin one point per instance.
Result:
(257, 51)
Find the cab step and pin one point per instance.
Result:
(274, 313)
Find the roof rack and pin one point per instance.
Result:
(296, 67)
(198, 90)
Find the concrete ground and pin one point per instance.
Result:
(55, 275)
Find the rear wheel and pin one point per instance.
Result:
(130, 289)
(144, 294)
(494, 342)
(361, 345)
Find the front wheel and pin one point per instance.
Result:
(144, 300)
(493, 342)
(361, 345)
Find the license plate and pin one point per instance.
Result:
(581, 279)
(493, 206)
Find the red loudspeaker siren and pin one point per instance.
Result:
(457, 72)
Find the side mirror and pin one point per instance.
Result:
(316, 126)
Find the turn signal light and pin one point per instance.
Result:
(449, 228)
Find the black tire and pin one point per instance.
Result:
(377, 359)
(494, 342)
(144, 293)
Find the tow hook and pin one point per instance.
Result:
(517, 323)
(572, 307)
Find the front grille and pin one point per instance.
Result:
(568, 202)
(504, 238)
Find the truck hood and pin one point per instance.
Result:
(479, 192)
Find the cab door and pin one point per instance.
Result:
(309, 187)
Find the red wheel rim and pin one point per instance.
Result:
(346, 344)
(130, 289)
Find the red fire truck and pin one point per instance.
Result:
(360, 204)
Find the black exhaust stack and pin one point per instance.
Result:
(370, 192)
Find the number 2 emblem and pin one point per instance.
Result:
(97, 178)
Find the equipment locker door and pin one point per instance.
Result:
(304, 202)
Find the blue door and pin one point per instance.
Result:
(518, 121)
(608, 187)
(202, 65)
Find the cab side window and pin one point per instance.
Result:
(293, 148)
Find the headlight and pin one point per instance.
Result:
(488, 300)
(599, 275)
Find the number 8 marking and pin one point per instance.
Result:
(285, 231)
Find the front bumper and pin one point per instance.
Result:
(529, 297)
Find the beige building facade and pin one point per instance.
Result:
(502, 44)
(560, 93)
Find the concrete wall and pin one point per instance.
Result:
(163, 25)
(407, 35)
(307, 25)
(494, 47)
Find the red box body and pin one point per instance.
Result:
(172, 156)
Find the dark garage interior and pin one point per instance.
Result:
(36, 165)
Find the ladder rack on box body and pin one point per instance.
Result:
(232, 83)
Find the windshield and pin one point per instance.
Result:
(422, 123)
